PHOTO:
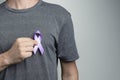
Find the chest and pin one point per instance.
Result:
(16, 26)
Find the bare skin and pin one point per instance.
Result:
(23, 47)
(21, 4)
(69, 70)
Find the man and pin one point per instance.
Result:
(19, 20)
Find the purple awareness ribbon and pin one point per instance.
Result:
(38, 38)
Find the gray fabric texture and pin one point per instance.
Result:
(55, 24)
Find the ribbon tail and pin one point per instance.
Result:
(35, 49)
(41, 49)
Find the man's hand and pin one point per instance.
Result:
(21, 49)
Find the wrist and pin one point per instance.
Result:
(5, 57)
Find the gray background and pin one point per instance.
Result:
(97, 34)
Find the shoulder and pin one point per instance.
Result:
(55, 8)
(57, 11)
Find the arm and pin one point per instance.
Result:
(69, 70)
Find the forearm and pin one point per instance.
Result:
(3, 61)
(69, 70)
(70, 76)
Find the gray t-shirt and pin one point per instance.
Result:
(55, 24)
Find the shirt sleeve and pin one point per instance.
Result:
(67, 50)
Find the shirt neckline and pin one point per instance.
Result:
(22, 10)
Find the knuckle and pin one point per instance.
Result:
(22, 55)
(30, 54)
(18, 40)
(31, 48)
(20, 49)
(29, 38)
(19, 45)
